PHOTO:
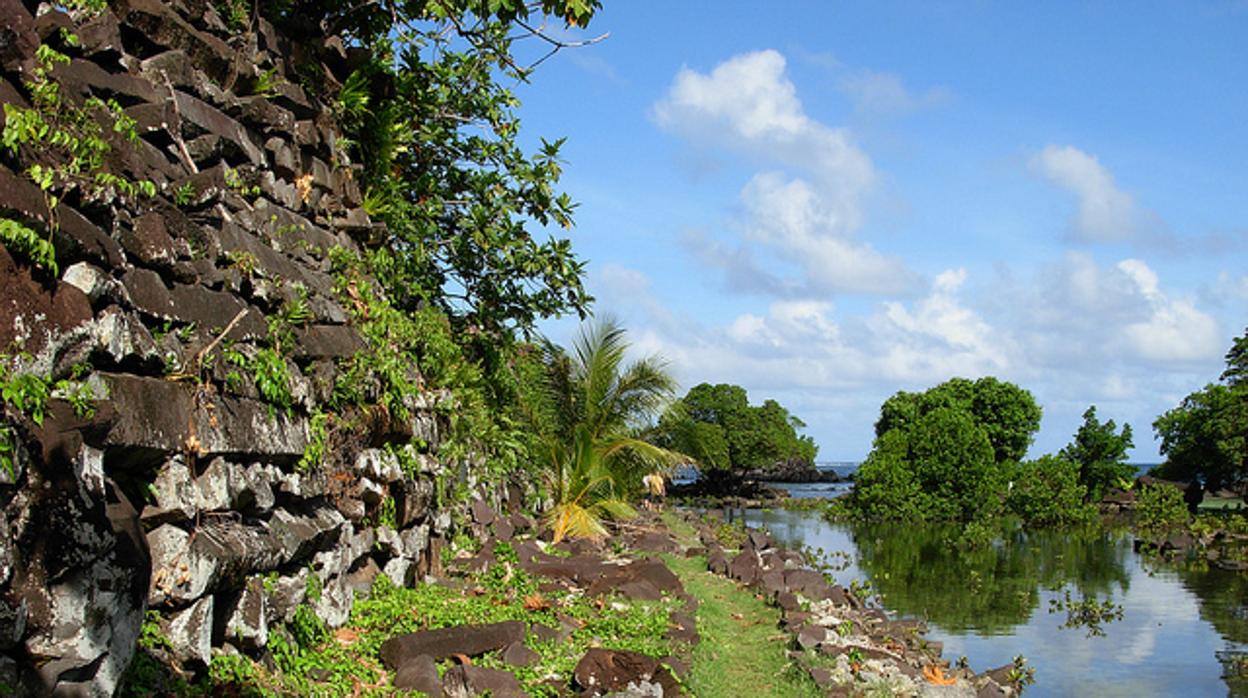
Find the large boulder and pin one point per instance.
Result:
(468, 640)
(604, 671)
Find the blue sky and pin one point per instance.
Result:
(828, 203)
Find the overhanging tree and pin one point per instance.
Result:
(1205, 438)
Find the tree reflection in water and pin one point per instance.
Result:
(990, 589)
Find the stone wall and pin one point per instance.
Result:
(183, 492)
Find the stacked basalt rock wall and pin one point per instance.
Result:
(182, 493)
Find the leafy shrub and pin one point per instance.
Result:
(1047, 492)
(1160, 509)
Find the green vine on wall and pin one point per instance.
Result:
(68, 144)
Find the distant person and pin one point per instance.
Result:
(656, 489)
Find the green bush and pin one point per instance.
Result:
(1160, 509)
(1047, 492)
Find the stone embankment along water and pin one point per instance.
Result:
(181, 494)
(844, 644)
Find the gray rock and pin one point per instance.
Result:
(190, 633)
(415, 540)
(94, 282)
(286, 595)
(124, 339)
(399, 570)
(334, 606)
(177, 496)
(379, 465)
(178, 573)
(247, 622)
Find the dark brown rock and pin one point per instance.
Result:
(34, 316)
(147, 241)
(644, 579)
(603, 671)
(469, 681)
(772, 582)
(808, 583)
(328, 341)
(86, 77)
(518, 654)
(655, 542)
(503, 529)
(717, 562)
(78, 238)
(100, 37)
(787, 601)
(419, 673)
(18, 38)
(468, 640)
(809, 636)
(157, 417)
(482, 513)
(683, 628)
(162, 26)
(208, 119)
(744, 567)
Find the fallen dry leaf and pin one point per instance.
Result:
(936, 675)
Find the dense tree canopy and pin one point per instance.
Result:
(430, 118)
(1205, 438)
(717, 426)
(946, 453)
(1100, 453)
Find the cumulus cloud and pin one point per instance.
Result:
(747, 103)
(874, 92)
(801, 223)
(1076, 332)
(1105, 212)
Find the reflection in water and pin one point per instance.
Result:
(991, 604)
(994, 588)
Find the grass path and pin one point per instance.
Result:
(742, 649)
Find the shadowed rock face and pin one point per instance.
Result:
(232, 533)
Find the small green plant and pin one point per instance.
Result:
(27, 243)
(1020, 674)
(314, 455)
(1160, 509)
(236, 13)
(234, 180)
(245, 262)
(386, 515)
(184, 194)
(270, 372)
(1086, 613)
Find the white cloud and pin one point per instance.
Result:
(1078, 332)
(938, 338)
(876, 92)
(803, 227)
(1105, 213)
(747, 103)
(1078, 316)
(797, 229)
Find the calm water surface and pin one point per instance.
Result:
(993, 604)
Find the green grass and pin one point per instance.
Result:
(347, 662)
(742, 648)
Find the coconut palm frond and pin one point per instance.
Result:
(571, 520)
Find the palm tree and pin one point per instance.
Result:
(593, 455)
